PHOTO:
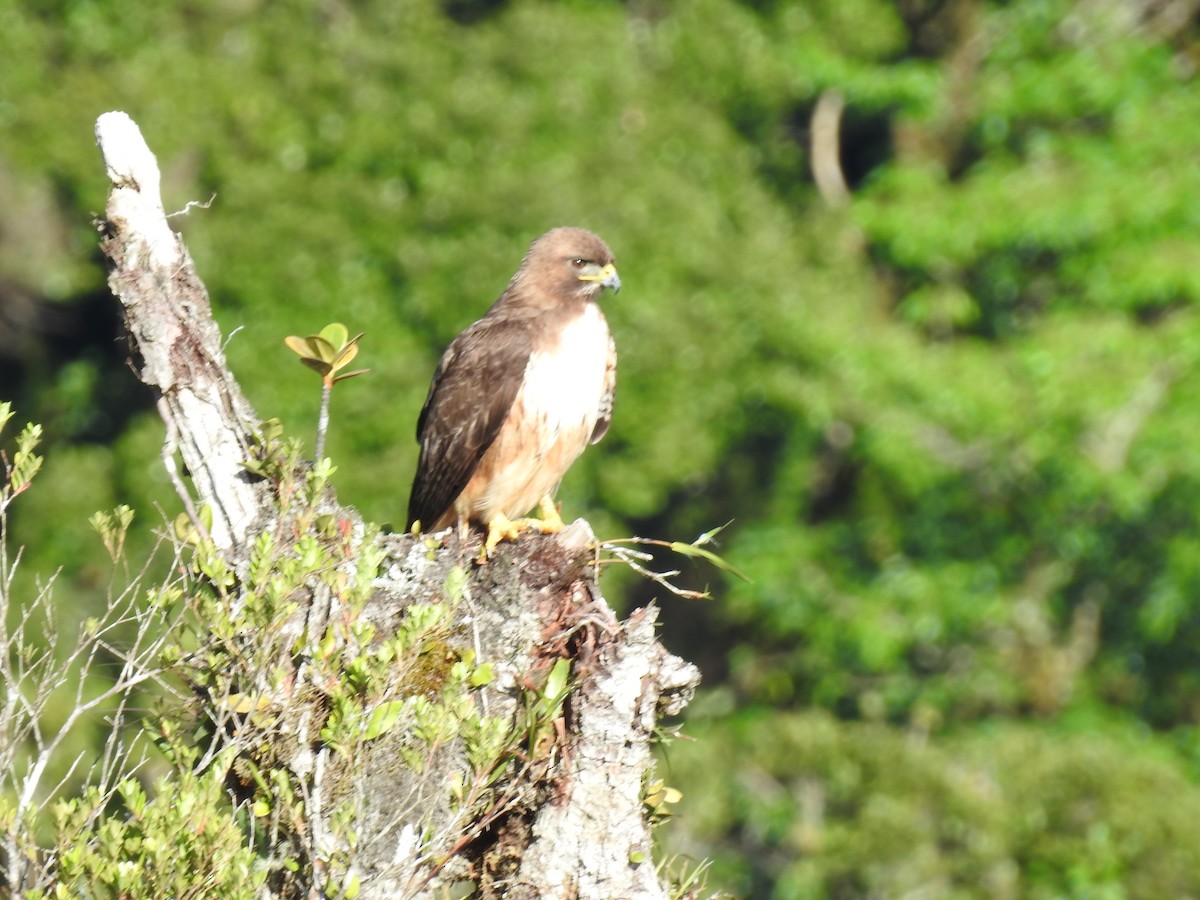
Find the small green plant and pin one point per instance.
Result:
(657, 797)
(327, 353)
(20, 470)
(113, 527)
(687, 878)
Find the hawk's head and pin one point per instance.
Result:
(565, 264)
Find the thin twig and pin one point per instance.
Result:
(634, 558)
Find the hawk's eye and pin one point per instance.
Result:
(578, 262)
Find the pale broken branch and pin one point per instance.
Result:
(178, 345)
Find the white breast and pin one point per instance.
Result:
(564, 384)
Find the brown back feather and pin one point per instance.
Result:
(474, 388)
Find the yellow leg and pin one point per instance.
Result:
(500, 528)
(551, 521)
(503, 528)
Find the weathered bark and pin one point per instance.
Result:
(172, 330)
(583, 846)
(572, 823)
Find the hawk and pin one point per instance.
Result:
(519, 395)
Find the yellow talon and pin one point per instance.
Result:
(500, 528)
(551, 521)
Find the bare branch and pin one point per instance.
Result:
(170, 322)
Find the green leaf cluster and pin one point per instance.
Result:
(176, 843)
(327, 352)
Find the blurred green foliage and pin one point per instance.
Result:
(835, 809)
(953, 420)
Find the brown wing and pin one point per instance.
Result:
(473, 390)
(604, 419)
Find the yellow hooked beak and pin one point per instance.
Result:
(606, 277)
